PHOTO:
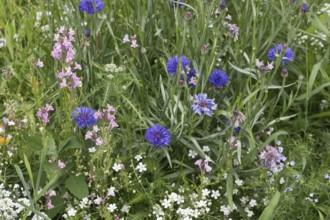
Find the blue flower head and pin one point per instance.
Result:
(276, 51)
(84, 117)
(203, 105)
(158, 136)
(175, 3)
(218, 79)
(88, 6)
(304, 8)
(173, 62)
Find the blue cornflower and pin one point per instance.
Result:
(173, 62)
(158, 136)
(304, 8)
(218, 78)
(88, 33)
(276, 51)
(202, 105)
(192, 78)
(88, 6)
(84, 117)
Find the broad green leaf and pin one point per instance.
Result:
(267, 214)
(77, 186)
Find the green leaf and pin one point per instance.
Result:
(269, 210)
(229, 188)
(34, 143)
(59, 206)
(77, 186)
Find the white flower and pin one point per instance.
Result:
(282, 180)
(166, 203)
(125, 208)
(141, 167)
(201, 203)
(92, 150)
(112, 207)
(215, 194)
(111, 191)
(116, 167)
(239, 182)
(253, 203)
(192, 154)
(206, 148)
(10, 123)
(72, 212)
(83, 203)
(138, 157)
(205, 192)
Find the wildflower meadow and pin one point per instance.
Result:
(164, 109)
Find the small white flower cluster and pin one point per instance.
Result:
(38, 20)
(318, 43)
(140, 167)
(177, 206)
(324, 9)
(10, 203)
(245, 201)
(113, 68)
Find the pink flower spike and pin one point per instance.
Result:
(134, 44)
(40, 63)
(96, 128)
(60, 164)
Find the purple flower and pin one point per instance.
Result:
(218, 79)
(88, 6)
(272, 158)
(276, 51)
(173, 62)
(202, 105)
(158, 136)
(203, 165)
(304, 9)
(84, 117)
(88, 33)
(233, 31)
(326, 176)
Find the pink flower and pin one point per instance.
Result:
(40, 63)
(60, 164)
(126, 39)
(98, 200)
(43, 113)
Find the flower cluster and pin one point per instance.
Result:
(173, 63)
(203, 105)
(84, 117)
(48, 195)
(272, 158)
(158, 136)
(132, 40)
(263, 69)
(63, 51)
(11, 205)
(107, 114)
(277, 50)
(43, 113)
(88, 6)
(233, 31)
